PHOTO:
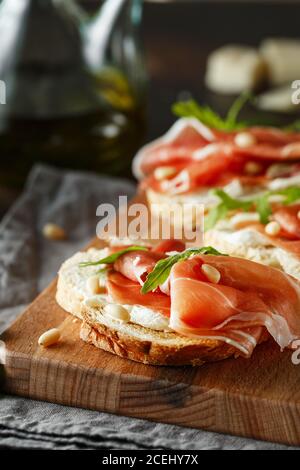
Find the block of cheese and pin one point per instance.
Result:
(234, 69)
(278, 99)
(282, 57)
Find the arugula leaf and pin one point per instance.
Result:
(291, 194)
(204, 114)
(113, 257)
(208, 116)
(260, 204)
(235, 109)
(102, 271)
(220, 211)
(263, 208)
(293, 127)
(163, 267)
(217, 213)
(230, 202)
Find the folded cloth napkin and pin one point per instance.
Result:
(27, 263)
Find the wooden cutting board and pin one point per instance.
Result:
(258, 397)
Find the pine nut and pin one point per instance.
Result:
(117, 312)
(244, 139)
(95, 302)
(2, 353)
(162, 172)
(291, 149)
(272, 228)
(54, 232)
(243, 218)
(252, 168)
(278, 169)
(212, 274)
(102, 282)
(49, 337)
(298, 214)
(92, 285)
(276, 198)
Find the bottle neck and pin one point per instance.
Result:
(41, 60)
(123, 16)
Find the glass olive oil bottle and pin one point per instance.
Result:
(74, 87)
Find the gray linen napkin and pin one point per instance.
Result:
(27, 263)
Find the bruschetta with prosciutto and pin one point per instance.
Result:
(168, 305)
(246, 177)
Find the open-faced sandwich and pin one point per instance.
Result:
(194, 157)
(168, 305)
(263, 227)
(247, 178)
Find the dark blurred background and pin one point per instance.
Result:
(177, 37)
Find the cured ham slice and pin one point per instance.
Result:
(249, 300)
(274, 136)
(193, 150)
(270, 152)
(248, 295)
(124, 291)
(168, 246)
(206, 172)
(176, 147)
(135, 265)
(287, 217)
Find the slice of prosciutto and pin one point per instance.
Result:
(176, 147)
(127, 292)
(189, 143)
(249, 300)
(248, 295)
(287, 217)
(135, 265)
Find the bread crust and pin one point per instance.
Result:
(153, 352)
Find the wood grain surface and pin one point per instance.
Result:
(258, 397)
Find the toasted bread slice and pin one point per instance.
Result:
(130, 340)
(141, 344)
